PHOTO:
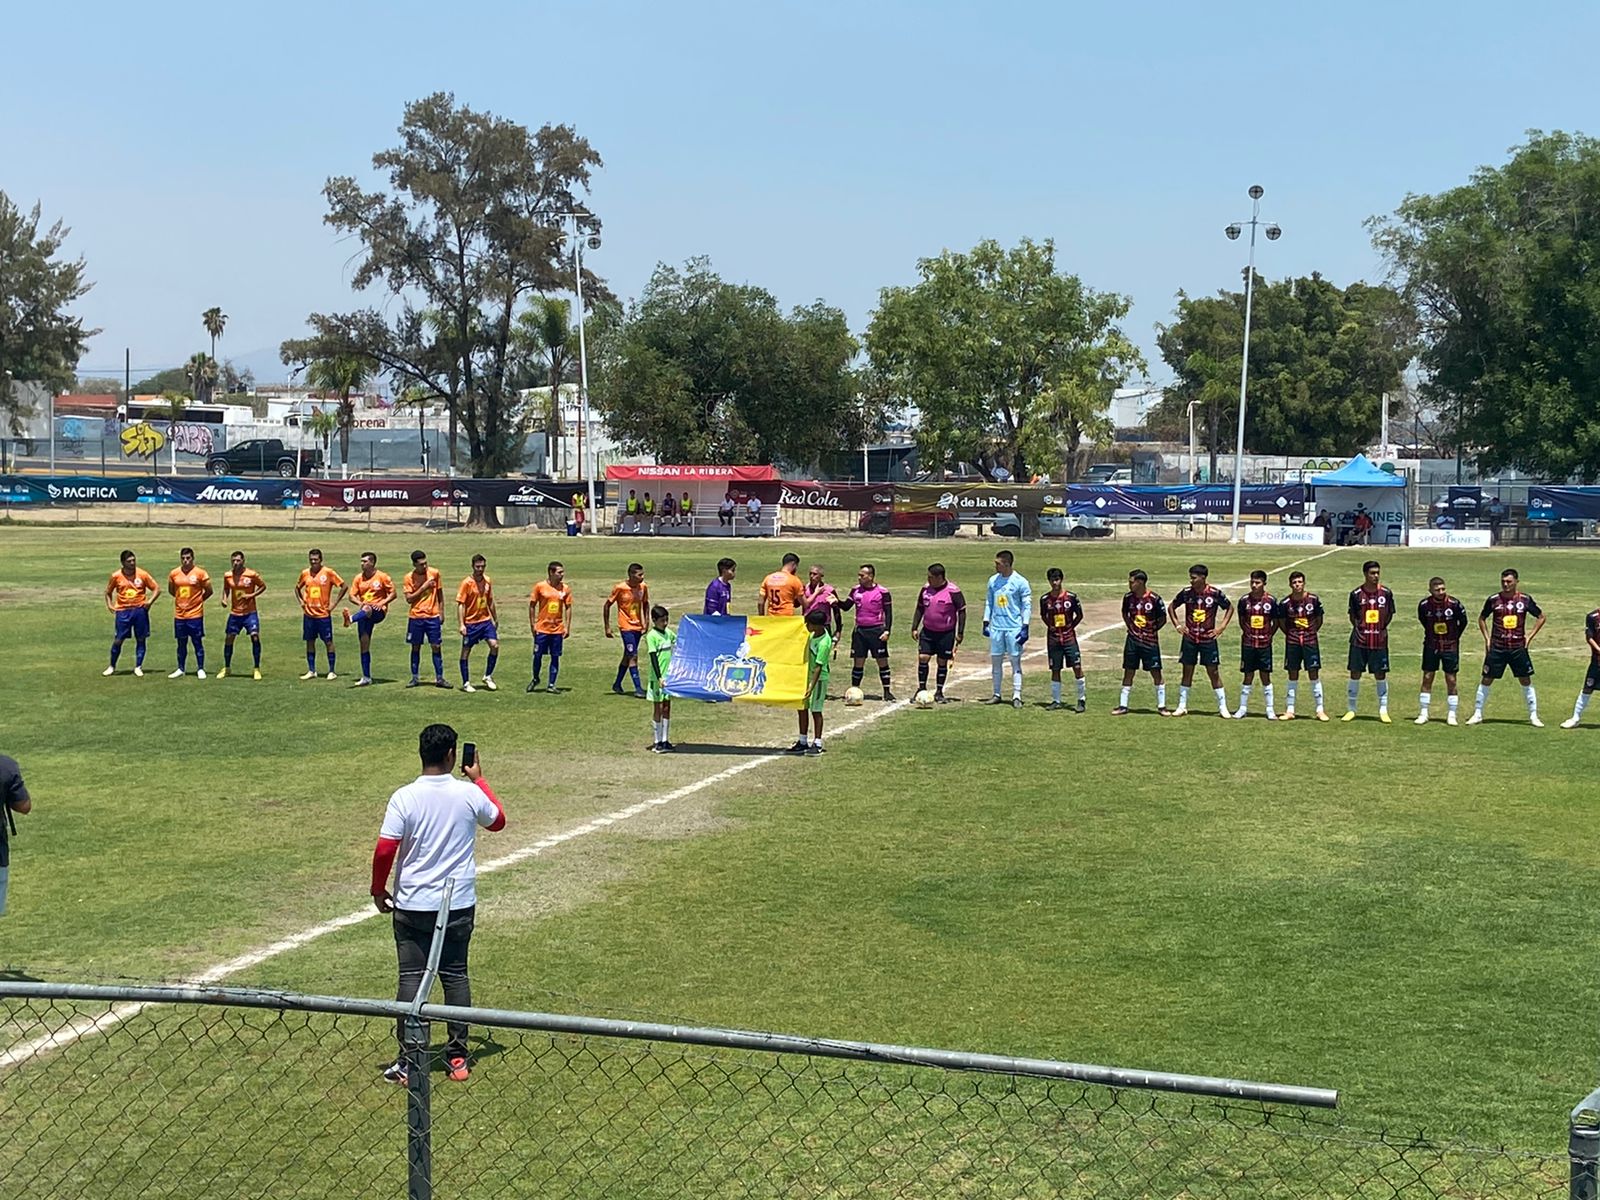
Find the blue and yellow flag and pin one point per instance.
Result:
(760, 660)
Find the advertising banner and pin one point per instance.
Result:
(374, 493)
(971, 499)
(1564, 503)
(832, 497)
(519, 493)
(18, 489)
(224, 489)
(1283, 535)
(690, 473)
(1090, 500)
(80, 489)
(1450, 539)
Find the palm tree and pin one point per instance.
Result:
(544, 330)
(214, 319)
(344, 374)
(321, 424)
(201, 370)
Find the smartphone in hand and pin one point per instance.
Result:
(469, 754)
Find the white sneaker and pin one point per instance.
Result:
(200, 673)
(1570, 723)
(309, 675)
(1270, 715)
(363, 682)
(1180, 711)
(1450, 719)
(467, 687)
(138, 672)
(331, 675)
(1533, 720)
(488, 682)
(1238, 716)
(1422, 718)
(178, 674)
(1476, 718)
(109, 671)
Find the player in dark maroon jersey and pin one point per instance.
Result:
(1443, 618)
(1062, 613)
(1258, 623)
(1300, 617)
(1506, 638)
(1201, 625)
(1144, 613)
(1591, 634)
(1371, 610)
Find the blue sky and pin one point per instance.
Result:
(816, 150)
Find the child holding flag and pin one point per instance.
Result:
(819, 657)
(658, 645)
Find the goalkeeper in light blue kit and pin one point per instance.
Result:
(1006, 608)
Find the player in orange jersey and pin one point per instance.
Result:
(631, 598)
(477, 616)
(129, 595)
(314, 589)
(424, 590)
(550, 619)
(782, 592)
(190, 588)
(240, 587)
(374, 592)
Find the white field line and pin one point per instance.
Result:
(87, 1026)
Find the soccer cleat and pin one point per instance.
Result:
(1081, 706)
(616, 689)
(638, 693)
(1450, 719)
(442, 682)
(813, 751)
(888, 695)
(1350, 715)
(1422, 718)
(655, 748)
(995, 699)
(1226, 715)
(551, 689)
(1322, 714)
(1240, 715)
(395, 1072)
(1476, 718)
(467, 687)
(1122, 710)
(1383, 715)
(256, 673)
(415, 682)
(1054, 706)
(1288, 714)
(109, 671)
(488, 682)
(940, 698)
(138, 672)
(199, 672)
(331, 675)
(1016, 702)
(458, 1071)
(533, 686)
(1535, 722)
(1180, 711)
(1161, 712)
(799, 747)
(362, 682)
(222, 674)
(308, 675)
(667, 747)
(1271, 716)
(178, 674)
(1570, 723)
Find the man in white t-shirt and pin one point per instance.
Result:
(429, 837)
(753, 510)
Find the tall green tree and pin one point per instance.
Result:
(342, 375)
(40, 342)
(702, 370)
(1500, 272)
(172, 379)
(215, 321)
(1007, 360)
(201, 371)
(468, 228)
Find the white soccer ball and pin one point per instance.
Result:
(853, 696)
(923, 699)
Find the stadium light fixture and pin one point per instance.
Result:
(1273, 232)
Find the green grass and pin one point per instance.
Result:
(1400, 913)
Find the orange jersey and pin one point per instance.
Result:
(130, 593)
(427, 604)
(316, 591)
(377, 590)
(783, 593)
(477, 602)
(188, 592)
(630, 605)
(549, 605)
(242, 592)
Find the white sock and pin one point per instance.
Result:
(1316, 691)
(655, 730)
(1294, 686)
(1055, 690)
(1452, 701)
(1532, 699)
(1183, 696)
(1016, 673)
(1351, 692)
(1126, 692)
(1161, 695)
(1222, 699)
(1583, 703)
(1383, 694)
(1424, 699)
(1483, 695)
(1083, 690)
(995, 669)
(1266, 691)
(665, 722)
(1244, 696)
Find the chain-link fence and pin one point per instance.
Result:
(175, 1092)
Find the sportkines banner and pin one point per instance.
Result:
(1089, 500)
(755, 660)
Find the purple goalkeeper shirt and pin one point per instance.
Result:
(718, 594)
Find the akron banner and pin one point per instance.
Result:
(1265, 500)
(756, 660)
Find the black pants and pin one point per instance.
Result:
(413, 934)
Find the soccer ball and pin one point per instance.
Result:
(923, 699)
(853, 696)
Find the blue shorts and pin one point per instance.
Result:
(189, 627)
(479, 631)
(630, 642)
(1003, 642)
(420, 629)
(249, 623)
(135, 621)
(312, 628)
(365, 618)
(548, 643)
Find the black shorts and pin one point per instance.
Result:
(1297, 657)
(1255, 658)
(1204, 654)
(1448, 661)
(1066, 655)
(1496, 662)
(940, 644)
(1592, 679)
(1363, 661)
(1138, 656)
(866, 641)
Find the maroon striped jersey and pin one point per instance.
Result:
(1258, 620)
(1591, 628)
(1508, 619)
(1300, 618)
(1144, 616)
(1200, 608)
(1061, 615)
(1370, 614)
(1442, 623)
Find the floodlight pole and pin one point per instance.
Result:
(1233, 231)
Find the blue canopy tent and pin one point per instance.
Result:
(1362, 488)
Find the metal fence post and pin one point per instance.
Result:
(1583, 1148)
(419, 1120)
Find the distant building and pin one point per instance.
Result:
(1131, 406)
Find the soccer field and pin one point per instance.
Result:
(1399, 913)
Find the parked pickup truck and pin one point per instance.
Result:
(264, 456)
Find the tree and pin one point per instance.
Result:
(172, 379)
(547, 347)
(214, 320)
(701, 370)
(39, 342)
(322, 424)
(201, 372)
(342, 375)
(99, 386)
(1321, 358)
(1004, 357)
(1499, 273)
(469, 228)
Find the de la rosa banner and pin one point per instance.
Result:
(751, 660)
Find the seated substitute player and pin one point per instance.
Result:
(240, 587)
(1143, 613)
(1007, 607)
(874, 608)
(424, 591)
(190, 587)
(1591, 635)
(819, 659)
(373, 592)
(1371, 610)
(1300, 616)
(129, 595)
(1506, 640)
(658, 645)
(478, 620)
(1443, 617)
(550, 622)
(938, 626)
(1201, 627)
(631, 598)
(1258, 623)
(1062, 613)
(314, 589)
